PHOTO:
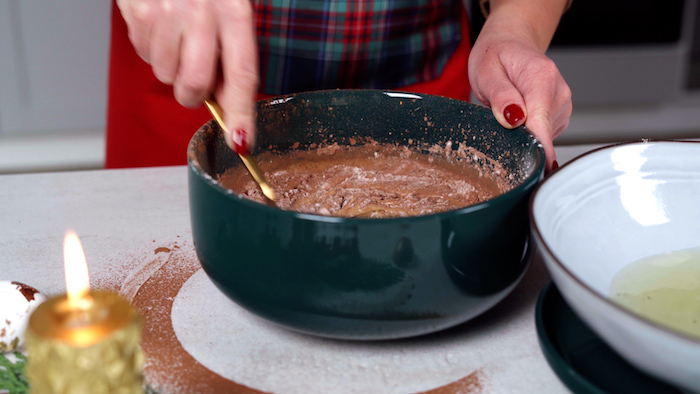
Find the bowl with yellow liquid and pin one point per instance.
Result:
(619, 231)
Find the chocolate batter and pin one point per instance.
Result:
(371, 180)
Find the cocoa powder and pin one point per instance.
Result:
(154, 282)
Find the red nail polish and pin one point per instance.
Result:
(240, 142)
(555, 165)
(513, 114)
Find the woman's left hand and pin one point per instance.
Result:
(509, 71)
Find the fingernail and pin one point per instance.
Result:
(240, 142)
(513, 114)
(555, 165)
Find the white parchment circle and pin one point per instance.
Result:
(253, 352)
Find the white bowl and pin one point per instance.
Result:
(611, 207)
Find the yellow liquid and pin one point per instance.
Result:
(664, 288)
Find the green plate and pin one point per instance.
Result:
(583, 362)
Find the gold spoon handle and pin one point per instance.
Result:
(248, 160)
(217, 112)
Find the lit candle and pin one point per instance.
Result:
(84, 341)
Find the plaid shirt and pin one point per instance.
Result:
(324, 44)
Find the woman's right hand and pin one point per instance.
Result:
(201, 48)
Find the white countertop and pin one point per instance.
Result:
(121, 216)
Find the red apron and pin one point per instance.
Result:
(147, 127)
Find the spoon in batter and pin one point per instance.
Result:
(248, 160)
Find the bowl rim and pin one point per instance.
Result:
(558, 262)
(526, 183)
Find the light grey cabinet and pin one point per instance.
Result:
(53, 69)
(53, 65)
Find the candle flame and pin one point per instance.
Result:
(77, 280)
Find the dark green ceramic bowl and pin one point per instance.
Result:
(364, 278)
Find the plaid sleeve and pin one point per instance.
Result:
(324, 44)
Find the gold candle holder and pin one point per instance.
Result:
(89, 348)
(84, 342)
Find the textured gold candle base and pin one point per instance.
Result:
(111, 365)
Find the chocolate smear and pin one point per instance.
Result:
(26, 290)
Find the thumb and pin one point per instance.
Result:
(508, 106)
(507, 103)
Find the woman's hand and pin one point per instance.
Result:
(509, 72)
(202, 48)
